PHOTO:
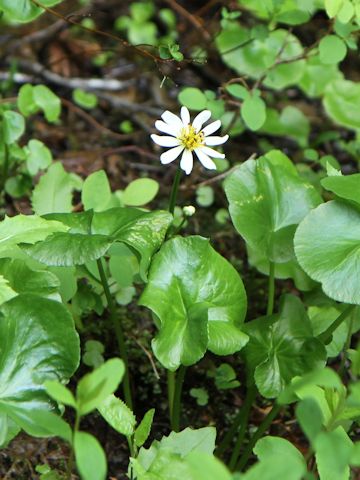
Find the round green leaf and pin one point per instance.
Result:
(281, 347)
(140, 192)
(96, 193)
(193, 98)
(347, 187)
(90, 457)
(199, 299)
(48, 102)
(38, 342)
(332, 49)
(267, 200)
(84, 99)
(327, 247)
(342, 103)
(38, 156)
(253, 112)
(13, 126)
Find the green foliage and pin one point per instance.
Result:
(184, 295)
(84, 99)
(39, 98)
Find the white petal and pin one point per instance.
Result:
(173, 120)
(171, 155)
(185, 116)
(165, 128)
(211, 128)
(164, 141)
(211, 152)
(216, 140)
(201, 118)
(186, 163)
(204, 159)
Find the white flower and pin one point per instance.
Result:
(186, 138)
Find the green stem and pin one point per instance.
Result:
(174, 190)
(265, 424)
(346, 348)
(325, 337)
(243, 422)
(175, 418)
(118, 333)
(70, 464)
(171, 390)
(5, 170)
(271, 289)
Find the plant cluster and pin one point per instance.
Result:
(299, 221)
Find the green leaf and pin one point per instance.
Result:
(196, 310)
(193, 98)
(60, 393)
(278, 459)
(24, 10)
(332, 7)
(281, 347)
(253, 112)
(143, 430)
(332, 453)
(26, 228)
(84, 99)
(96, 193)
(25, 101)
(204, 467)
(53, 193)
(48, 102)
(205, 196)
(38, 342)
(225, 377)
(342, 103)
(90, 457)
(13, 126)
(310, 418)
(267, 200)
(317, 76)
(96, 386)
(140, 192)
(332, 49)
(6, 292)
(291, 122)
(118, 415)
(38, 156)
(201, 395)
(327, 247)
(344, 186)
(258, 57)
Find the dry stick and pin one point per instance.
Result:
(190, 17)
(148, 354)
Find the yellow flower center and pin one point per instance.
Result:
(190, 138)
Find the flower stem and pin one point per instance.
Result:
(241, 420)
(171, 390)
(176, 407)
(265, 424)
(325, 337)
(271, 289)
(174, 190)
(118, 333)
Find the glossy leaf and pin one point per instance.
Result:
(281, 347)
(267, 200)
(26, 228)
(38, 342)
(90, 457)
(199, 299)
(118, 415)
(344, 186)
(327, 247)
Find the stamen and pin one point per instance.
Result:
(190, 138)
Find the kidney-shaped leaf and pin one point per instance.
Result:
(38, 342)
(267, 200)
(342, 103)
(281, 347)
(327, 246)
(199, 299)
